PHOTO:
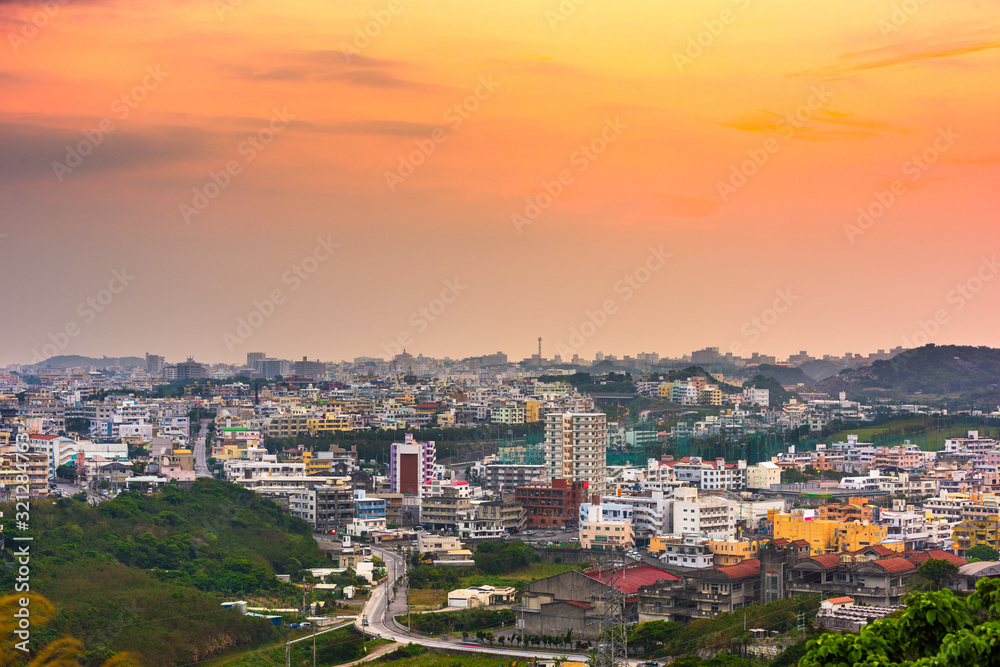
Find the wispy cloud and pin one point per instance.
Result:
(328, 66)
(859, 62)
(822, 125)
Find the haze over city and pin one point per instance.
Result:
(670, 170)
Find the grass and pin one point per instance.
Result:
(533, 572)
(452, 660)
(429, 598)
(929, 438)
(301, 651)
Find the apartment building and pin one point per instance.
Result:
(972, 444)
(441, 506)
(576, 448)
(732, 552)
(554, 505)
(411, 464)
(826, 536)
(709, 475)
(703, 515)
(763, 475)
(601, 533)
(507, 512)
(682, 550)
(288, 425)
(501, 478)
(329, 508)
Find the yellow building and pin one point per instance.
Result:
(663, 391)
(711, 396)
(328, 424)
(731, 552)
(970, 534)
(825, 536)
(532, 411)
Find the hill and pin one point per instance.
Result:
(777, 396)
(76, 361)
(146, 573)
(786, 375)
(927, 374)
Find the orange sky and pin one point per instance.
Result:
(533, 154)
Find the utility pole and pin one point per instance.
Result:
(288, 654)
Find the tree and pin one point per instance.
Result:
(66, 471)
(793, 476)
(937, 570)
(982, 552)
(936, 628)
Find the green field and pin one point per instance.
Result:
(927, 432)
(519, 578)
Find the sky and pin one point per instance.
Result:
(335, 179)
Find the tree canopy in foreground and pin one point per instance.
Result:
(938, 629)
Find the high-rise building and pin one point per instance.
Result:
(411, 463)
(154, 363)
(254, 359)
(576, 448)
(191, 369)
(272, 368)
(309, 369)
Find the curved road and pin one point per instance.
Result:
(382, 624)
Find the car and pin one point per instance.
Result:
(305, 625)
(293, 626)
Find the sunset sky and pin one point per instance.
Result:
(502, 165)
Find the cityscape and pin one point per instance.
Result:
(534, 333)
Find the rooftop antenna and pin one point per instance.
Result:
(539, 347)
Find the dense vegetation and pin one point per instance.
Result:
(777, 396)
(146, 573)
(492, 558)
(935, 372)
(936, 629)
(465, 621)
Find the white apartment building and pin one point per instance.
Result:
(703, 515)
(710, 475)
(576, 448)
(650, 511)
(686, 551)
(971, 444)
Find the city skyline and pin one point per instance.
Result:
(340, 178)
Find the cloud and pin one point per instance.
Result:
(329, 66)
(28, 151)
(821, 125)
(859, 62)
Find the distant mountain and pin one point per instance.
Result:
(955, 372)
(75, 360)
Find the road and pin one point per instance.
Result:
(380, 612)
(200, 455)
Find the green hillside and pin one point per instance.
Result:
(959, 375)
(146, 573)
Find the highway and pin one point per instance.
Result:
(380, 611)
